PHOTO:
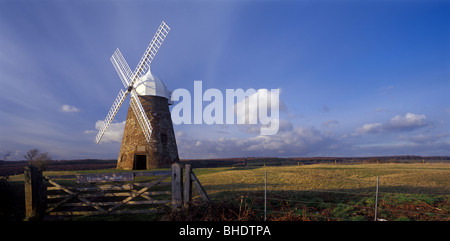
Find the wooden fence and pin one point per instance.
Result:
(108, 193)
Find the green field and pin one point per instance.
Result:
(344, 192)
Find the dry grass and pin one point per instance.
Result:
(335, 192)
(430, 178)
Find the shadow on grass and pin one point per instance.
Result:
(394, 203)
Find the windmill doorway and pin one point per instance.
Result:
(140, 162)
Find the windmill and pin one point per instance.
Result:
(148, 140)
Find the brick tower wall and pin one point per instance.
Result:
(162, 150)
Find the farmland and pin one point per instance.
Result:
(330, 191)
(336, 192)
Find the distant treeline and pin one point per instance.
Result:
(16, 167)
(276, 161)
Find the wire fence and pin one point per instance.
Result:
(270, 199)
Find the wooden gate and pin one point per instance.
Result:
(108, 193)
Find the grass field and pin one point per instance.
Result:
(311, 192)
(335, 192)
(412, 178)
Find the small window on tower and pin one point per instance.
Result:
(164, 139)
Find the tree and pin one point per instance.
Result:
(38, 159)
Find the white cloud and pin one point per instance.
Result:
(299, 141)
(113, 134)
(283, 125)
(69, 108)
(407, 122)
(370, 128)
(260, 110)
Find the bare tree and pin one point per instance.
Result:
(38, 159)
(31, 155)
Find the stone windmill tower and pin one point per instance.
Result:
(148, 139)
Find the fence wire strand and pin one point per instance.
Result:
(365, 207)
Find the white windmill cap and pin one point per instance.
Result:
(150, 84)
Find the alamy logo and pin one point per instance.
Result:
(239, 107)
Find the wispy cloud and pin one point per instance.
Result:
(380, 109)
(330, 123)
(426, 138)
(386, 89)
(69, 108)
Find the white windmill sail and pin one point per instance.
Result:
(150, 52)
(112, 112)
(129, 79)
(122, 68)
(140, 115)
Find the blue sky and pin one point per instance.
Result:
(357, 78)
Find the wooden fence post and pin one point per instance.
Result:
(177, 186)
(187, 185)
(35, 198)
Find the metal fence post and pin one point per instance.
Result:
(376, 198)
(265, 197)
